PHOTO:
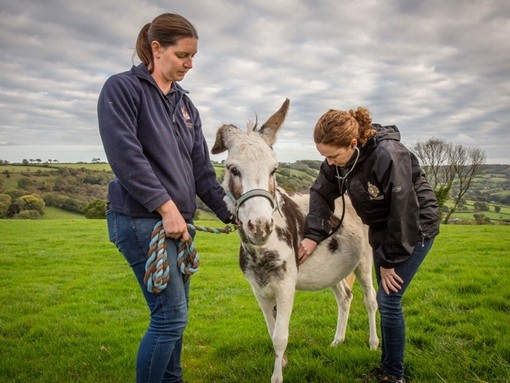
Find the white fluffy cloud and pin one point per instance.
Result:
(435, 68)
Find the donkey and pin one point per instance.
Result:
(271, 226)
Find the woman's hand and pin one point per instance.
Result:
(390, 280)
(306, 248)
(174, 225)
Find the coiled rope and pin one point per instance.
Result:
(157, 269)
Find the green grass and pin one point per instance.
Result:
(100, 166)
(72, 312)
(56, 213)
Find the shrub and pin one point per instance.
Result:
(481, 219)
(28, 214)
(33, 202)
(73, 205)
(96, 209)
(481, 206)
(5, 203)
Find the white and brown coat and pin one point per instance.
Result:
(271, 224)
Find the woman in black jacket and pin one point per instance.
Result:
(389, 191)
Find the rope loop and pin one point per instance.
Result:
(157, 269)
(187, 258)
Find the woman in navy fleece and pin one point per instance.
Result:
(153, 138)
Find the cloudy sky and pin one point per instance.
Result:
(434, 68)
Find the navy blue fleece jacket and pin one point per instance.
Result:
(155, 146)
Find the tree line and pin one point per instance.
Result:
(449, 168)
(80, 191)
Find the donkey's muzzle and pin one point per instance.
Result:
(260, 230)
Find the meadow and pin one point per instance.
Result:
(71, 312)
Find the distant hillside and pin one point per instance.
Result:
(73, 187)
(493, 185)
(293, 177)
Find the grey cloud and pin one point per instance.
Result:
(435, 68)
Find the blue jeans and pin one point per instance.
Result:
(393, 335)
(159, 353)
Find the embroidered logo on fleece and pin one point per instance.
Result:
(374, 192)
(187, 118)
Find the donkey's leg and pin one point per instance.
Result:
(284, 301)
(343, 295)
(267, 305)
(364, 275)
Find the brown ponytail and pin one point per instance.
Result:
(364, 119)
(143, 47)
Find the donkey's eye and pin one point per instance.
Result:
(274, 172)
(234, 171)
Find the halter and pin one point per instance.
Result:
(251, 194)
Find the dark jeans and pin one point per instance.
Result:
(393, 334)
(159, 353)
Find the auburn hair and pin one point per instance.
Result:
(338, 128)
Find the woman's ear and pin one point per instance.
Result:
(156, 49)
(354, 143)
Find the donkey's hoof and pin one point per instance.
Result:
(337, 342)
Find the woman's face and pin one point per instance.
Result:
(173, 62)
(335, 155)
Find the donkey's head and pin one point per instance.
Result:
(250, 178)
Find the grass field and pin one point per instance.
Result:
(71, 312)
(56, 213)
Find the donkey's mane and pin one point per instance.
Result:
(251, 126)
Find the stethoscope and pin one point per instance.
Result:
(341, 185)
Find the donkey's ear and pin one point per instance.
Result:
(224, 137)
(273, 124)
